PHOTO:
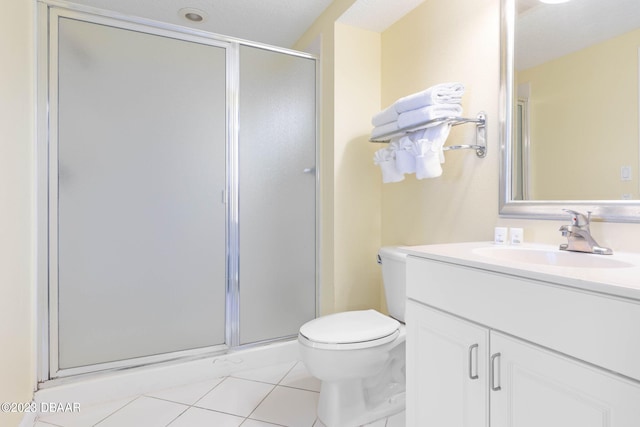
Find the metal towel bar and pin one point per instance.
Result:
(481, 132)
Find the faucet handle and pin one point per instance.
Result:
(579, 219)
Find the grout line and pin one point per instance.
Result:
(47, 423)
(213, 388)
(266, 382)
(179, 415)
(298, 388)
(260, 403)
(265, 422)
(289, 371)
(117, 410)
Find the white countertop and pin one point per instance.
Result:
(621, 282)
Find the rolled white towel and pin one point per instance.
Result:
(428, 161)
(405, 155)
(444, 93)
(385, 158)
(438, 134)
(385, 116)
(383, 155)
(421, 115)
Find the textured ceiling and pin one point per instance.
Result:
(377, 15)
(274, 22)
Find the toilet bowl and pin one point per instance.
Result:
(359, 356)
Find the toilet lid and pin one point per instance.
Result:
(349, 327)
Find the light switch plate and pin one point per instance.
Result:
(625, 173)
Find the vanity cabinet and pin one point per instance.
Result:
(481, 351)
(447, 364)
(538, 387)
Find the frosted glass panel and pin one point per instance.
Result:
(276, 197)
(141, 220)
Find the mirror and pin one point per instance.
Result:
(570, 98)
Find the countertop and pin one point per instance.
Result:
(617, 281)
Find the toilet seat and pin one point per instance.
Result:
(349, 330)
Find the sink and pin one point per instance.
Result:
(550, 257)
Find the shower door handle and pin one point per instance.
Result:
(310, 171)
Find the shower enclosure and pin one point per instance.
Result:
(179, 215)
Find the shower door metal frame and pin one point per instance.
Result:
(48, 11)
(52, 145)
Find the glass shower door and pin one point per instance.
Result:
(138, 177)
(277, 193)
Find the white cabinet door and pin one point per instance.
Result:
(447, 366)
(542, 388)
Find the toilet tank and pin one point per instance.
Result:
(393, 264)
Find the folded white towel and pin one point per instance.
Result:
(444, 93)
(385, 116)
(381, 130)
(421, 115)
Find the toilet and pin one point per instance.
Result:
(359, 356)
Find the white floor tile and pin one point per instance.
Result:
(289, 407)
(144, 411)
(223, 402)
(379, 423)
(299, 377)
(88, 415)
(188, 394)
(270, 374)
(256, 423)
(397, 420)
(235, 396)
(196, 417)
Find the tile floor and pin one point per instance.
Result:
(281, 395)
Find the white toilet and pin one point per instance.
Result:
(359, 356)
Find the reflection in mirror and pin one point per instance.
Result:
(571, 87)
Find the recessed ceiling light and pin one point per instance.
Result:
(193, 15)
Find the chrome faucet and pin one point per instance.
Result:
(579, 236)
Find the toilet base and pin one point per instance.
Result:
(352, 410)
(354, 402)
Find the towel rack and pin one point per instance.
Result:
(481, 132)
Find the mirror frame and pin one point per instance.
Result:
(602, 210)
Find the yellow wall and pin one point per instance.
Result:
(323, 32)
(584, 111)
(350, 185)
(459, 40)
(456, 40)
(357, 179)
(17, 354)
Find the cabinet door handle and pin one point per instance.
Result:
(471, 362)
(494, 370)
